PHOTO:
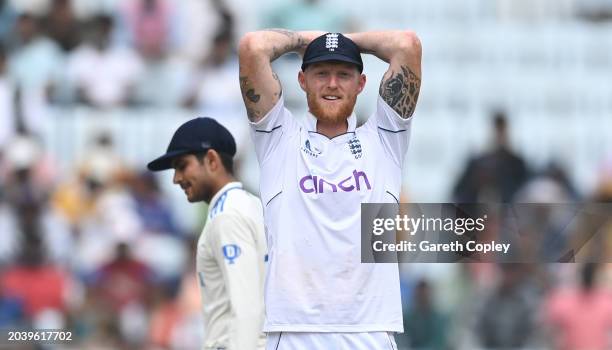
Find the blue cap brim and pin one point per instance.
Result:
(165, 162)
(332, 57)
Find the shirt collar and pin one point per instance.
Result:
(221, 193)
(311, 122)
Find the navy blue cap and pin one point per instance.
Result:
(196, 135)
(332, 47)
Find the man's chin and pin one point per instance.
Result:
(331, 118)
(193, 199)
(336, 113)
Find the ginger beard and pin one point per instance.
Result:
(331, 112)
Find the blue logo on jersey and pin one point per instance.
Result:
(231, 252)
(311, 150)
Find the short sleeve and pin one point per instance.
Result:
(393, 130)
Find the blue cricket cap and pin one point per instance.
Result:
(196, 135)
(332, 47)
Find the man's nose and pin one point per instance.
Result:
(176, 177)
(333, 81)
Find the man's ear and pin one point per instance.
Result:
(212, 160)
(302, 80)
(362, 82)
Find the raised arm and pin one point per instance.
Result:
(260, 86)
(401, 83)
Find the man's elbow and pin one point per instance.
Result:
(251, 44)
(410, 44)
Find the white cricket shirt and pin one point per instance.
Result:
(312, 188)
(230, 263)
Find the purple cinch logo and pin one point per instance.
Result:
(315, 184)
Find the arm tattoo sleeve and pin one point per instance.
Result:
(400, 90)
(251, 98)
(296, 43)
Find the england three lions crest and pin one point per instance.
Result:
(355, 147)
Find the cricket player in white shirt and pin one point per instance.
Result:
(315, 175)
(231, 250)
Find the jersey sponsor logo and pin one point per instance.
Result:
(355, 147)
(231, 252)
(311, 150)
(317, 184)
(331, 41)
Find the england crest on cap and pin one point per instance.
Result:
(331, 41)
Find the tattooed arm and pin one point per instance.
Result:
(260, 86)
(401, 83)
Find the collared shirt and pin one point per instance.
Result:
(230, 263)
(312, 188)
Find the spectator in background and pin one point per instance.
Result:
(151, 206)
(166, 317)
(425, 327)
(42, 286)
(506, 320)
(117, 69)
(76, 199)
(99, 205)
(496, 175)
(151, 27)
(150, 24)
(212, 89)
(546, 230)
(28, 180)
(123, 280)
(62, 26)
(189, 331)
(581, 318)
(124, 284)
(215, 92)
(552, 185)
(35, 66)
(95, 324)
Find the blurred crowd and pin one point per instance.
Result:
(99, 250)
(519, 305)
(136, 53)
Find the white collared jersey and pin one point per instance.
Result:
(312, 188)
(230, 263)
